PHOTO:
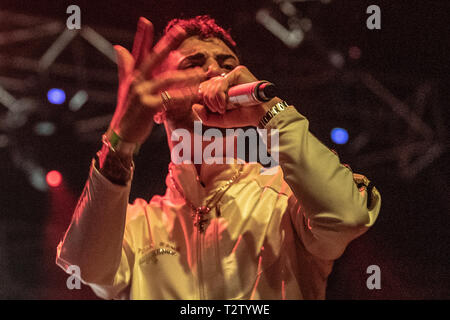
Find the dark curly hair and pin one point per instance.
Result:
(205, 27)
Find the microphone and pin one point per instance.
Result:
(250, 94)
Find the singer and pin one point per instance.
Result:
(221, 231)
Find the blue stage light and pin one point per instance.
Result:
(56, 96)
(339, 135)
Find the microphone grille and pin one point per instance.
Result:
(266, 91)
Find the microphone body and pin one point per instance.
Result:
(250, 94)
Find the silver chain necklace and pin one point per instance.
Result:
(199, 214)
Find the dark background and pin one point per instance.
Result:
(410, 240)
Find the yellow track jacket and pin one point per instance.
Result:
(268, 237)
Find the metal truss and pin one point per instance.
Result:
(21, 75)
(420, 144)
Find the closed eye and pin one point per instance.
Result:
(228, 66)
(226, 61)
(188, 66)
(193, 61)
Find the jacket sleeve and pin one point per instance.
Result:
(96, 240)
(329, 207)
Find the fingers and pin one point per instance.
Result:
(176, 103)
(201, 112)
(125, 65)
(221, 98)
(180, 78)
(208, 118)
(143, 93)
(210, 99)
(143, 40)
(181, 99)
(231, 119)
(160, 51)
(125, 62)
(240, 75)
(213, 94)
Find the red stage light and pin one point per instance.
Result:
(354, 53)
(54, 178)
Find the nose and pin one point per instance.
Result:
(213, 70)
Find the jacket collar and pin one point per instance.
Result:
(199, 189)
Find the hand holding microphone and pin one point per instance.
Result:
(238, 88)
(224, 100)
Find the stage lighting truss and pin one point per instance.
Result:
(25, 75)
(22, 74)
(423, 139)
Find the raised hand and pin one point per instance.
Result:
(141, 82)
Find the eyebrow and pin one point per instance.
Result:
(199, 56)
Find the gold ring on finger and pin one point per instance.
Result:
(165, 96)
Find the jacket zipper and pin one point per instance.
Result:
(199, 265)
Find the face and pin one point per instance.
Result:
(211, 54)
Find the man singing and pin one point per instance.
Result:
(222, 230)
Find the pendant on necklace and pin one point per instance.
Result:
(199, 217)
